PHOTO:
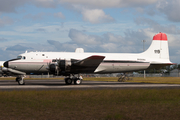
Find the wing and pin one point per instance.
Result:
(90, 61)
(88, 64)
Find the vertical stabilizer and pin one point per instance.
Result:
(158, 50)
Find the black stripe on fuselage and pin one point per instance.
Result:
(114, 61)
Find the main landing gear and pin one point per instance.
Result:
(76, 80)
(20, 80)
(124, 77)
(68, 80)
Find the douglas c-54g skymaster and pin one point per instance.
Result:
(70, 64)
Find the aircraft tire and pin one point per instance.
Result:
(20, 81)
(77, 81)
(68, 81)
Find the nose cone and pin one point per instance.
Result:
(6, 64)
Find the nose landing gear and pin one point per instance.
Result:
(20, 80)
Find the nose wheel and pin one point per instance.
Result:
(20, 80)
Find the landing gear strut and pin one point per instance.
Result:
(70, 79)
(20, 80)
(124, 77)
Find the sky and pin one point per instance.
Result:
(117, 26)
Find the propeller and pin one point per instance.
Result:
(53, 66)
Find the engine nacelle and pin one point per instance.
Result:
(60, 67)
(53, 68)
(64, 66)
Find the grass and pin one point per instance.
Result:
(122, 104)
(135, 104)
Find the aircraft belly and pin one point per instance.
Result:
(121, 67)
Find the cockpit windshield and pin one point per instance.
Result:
(21, 57)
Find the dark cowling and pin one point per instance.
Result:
(6, 64)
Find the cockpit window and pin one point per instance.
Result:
(19, 57)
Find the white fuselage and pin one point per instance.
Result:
(38, 62)
(112, 63)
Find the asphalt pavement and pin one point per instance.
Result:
(60, 84)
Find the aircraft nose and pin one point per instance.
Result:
(6, 64)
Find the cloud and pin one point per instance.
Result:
(109, 47)
(81, 38)
(42, 15)
(70, 47)
(170, 8)
(38, 16)
(156, 27)
(7, 55)
(133, 37)
(101, 4)
(41, 30)
(55, 43)
(45, 3)
(92, 11)
(18, 48)
(3, 40)
(13, 51)
(110, 37)
(11, 5)
(5, 21)
(96, 16)
(107, 42)
(59, 15)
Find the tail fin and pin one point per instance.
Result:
(158, 52)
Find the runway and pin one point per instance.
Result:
(60, 84)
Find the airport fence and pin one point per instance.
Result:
(112, 75)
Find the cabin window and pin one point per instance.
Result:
(43, 54)
(24, 57)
